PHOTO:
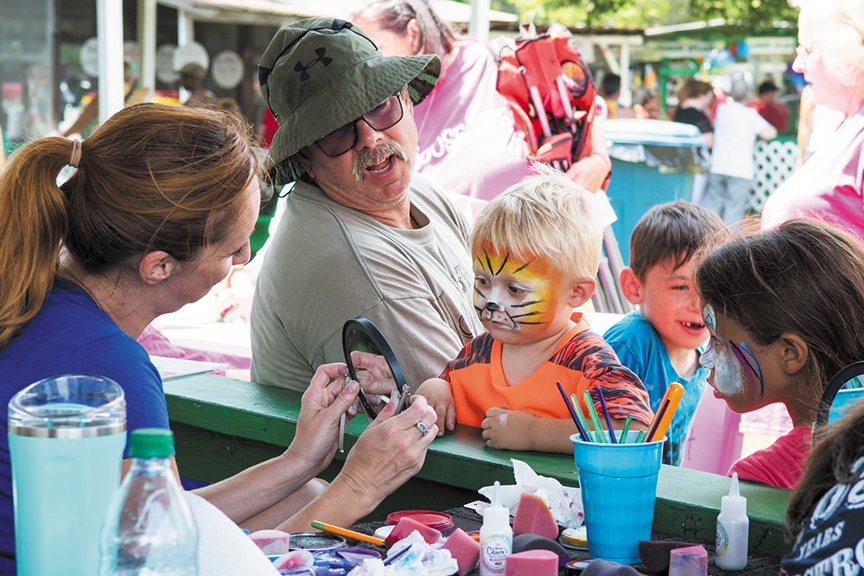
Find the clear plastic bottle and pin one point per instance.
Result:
(496, 537)
(149, 529)
(732, 530)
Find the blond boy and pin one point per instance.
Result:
(536, 250)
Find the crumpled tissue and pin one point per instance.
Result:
(564, 502)
(421, 560)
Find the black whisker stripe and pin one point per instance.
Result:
(531, 323)
(504, 263)
(523, 266)
(525, 315)
(524, 304)
(480, 261)
(478, 292)
(488, 262)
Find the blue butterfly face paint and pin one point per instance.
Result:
(734, 365)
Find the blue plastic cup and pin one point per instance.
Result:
(619, 486)
(66, 440)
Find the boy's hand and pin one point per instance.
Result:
(507, 429)
(439, 396)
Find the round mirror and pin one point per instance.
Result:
(371, 360)
(844, 389)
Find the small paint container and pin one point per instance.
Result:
(437, 520)
(575, 567)
(314, 541)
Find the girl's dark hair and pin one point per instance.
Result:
(153, 177)
(829, 463)
(805, 278)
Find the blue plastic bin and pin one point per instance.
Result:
(653, 161)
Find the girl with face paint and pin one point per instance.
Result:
(785, 309)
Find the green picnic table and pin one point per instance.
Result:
(222, 426)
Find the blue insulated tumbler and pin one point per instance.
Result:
(66, 440)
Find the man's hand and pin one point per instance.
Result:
(508, 430)
(439, 395)
(323, 403)
(389, 452)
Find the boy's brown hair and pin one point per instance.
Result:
(672, 233)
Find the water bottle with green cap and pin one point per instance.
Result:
(149, 528)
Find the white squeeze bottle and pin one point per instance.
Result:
(732, 530)
(496, 536)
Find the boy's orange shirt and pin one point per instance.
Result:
(581, 361)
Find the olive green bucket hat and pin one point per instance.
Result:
(321, 73)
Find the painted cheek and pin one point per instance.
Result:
(728, 376)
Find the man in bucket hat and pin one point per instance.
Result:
(361, 234)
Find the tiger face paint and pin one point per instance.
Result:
(515, 295)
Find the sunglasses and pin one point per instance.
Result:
(384, 116)
(742, 353)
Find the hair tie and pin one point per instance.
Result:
(75, 158)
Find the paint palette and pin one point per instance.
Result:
(313, 541)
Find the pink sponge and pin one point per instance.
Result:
(534, 517)
(691, 561)
(464, 549)
(406, 526)
(532, 563)
(271, 542)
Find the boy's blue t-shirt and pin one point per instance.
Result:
(71, 335)
(640, 348)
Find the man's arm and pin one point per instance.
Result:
(768, 133)
(591, 170)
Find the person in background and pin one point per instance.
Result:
(694, 100)
(361, 233)
(829, 186)
(2, 150)
(785, 308)
(160, 206)
(467, 140)
(826, 502)
(736, 128)
(192, 77)
(536, 251)
(88, 119)
(661, 342)
(816, 124)
(648, 106)
(771, 109)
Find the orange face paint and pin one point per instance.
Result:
(511, 294)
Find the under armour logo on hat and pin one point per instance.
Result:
(304, 74)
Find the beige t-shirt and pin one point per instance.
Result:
(329, 263)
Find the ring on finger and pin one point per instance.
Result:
(422, 428)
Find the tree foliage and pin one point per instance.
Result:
(646, 13)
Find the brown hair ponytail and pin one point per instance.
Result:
(34, 222)
(153, 177)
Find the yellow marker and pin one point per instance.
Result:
(674, 394)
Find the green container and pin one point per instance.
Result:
(653, 162)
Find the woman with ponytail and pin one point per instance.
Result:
(160, 206)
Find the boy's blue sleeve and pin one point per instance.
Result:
(637, 350)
